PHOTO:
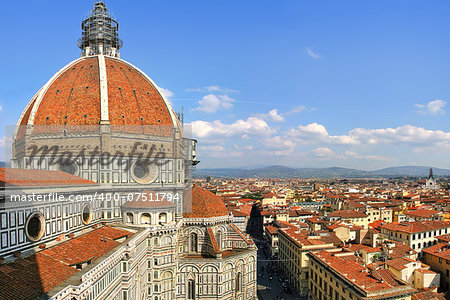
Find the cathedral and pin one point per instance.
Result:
(98, 202)
(431, 183)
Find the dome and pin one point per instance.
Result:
(95, 90)
(206, 204)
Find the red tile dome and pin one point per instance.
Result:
(99, 89)
(206, 205)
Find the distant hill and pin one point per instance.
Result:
(411, 171)
(333, 172)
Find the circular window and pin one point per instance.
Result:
(67, 167)
(86, 214)
(143, 172)
(35, 226)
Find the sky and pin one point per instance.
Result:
(359, 84)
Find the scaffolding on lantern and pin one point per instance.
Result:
(100, 33)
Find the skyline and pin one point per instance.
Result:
(296, 84)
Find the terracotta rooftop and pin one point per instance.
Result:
(73, 99)
(399, 250)
(429, 295)
(423, 213)
(270, 195)
(444, 238)
(301, 238)
(400, 263)
(417, 226)
(30, 277)
(354, 271)
(27, 178)
(205, 204)
(441, 250)
(347, 214)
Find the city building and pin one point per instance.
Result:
(431, 183)
(424, 214)
(418, 235)
(354, 216)
(273, 199)
(438, 258)
(413, 272)
(334, 274)
(293, 247)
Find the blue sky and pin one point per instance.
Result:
(361, 84)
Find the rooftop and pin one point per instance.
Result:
(30, 277)
(353, 270)
(36, 178)
(347, 214)
(423, 213)
(206, 204)
(417, 226)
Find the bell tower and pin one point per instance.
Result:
(100, 33)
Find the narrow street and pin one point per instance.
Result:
(271, 289)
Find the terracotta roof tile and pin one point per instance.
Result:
(30, 277)
(73, 100)
(418, 226)
(205, 204)
(348, 214)
(25, 177)
(353, 269)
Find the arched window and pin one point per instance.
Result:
(191, 289)
(146, 218)
(238, 282)
(130, 218)
(162, 218)
(227, 277)
(193, 242)
(219, 239)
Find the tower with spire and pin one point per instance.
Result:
(100, 33)
(431, 183)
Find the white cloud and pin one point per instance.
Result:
(316, 133)
(354, 155)
(1, 108)
(435, 107)
(212, 103)
(275, 116)
(211, 148)
(245, 147)
(272, 115)
(168, 93)
(323, 152)
(281, 145)
(244, 128)
(254, 140)
(407, 134)
(312, 53)
(295, 110)
(212, 89)
(2, 142)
